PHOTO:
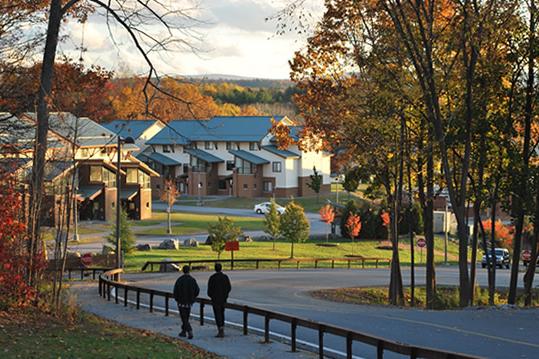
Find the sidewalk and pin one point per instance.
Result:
(234, 345)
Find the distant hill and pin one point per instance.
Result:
(242, 81)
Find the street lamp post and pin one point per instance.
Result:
(126, 140)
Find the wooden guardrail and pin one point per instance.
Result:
(279, 261)
(107, 282)
(85, 271)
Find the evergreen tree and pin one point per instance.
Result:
(127, 238)
(315, 183)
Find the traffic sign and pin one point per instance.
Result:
(421, 243)
(86, 259)
(232, 246)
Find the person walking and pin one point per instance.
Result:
(185, 292)
(218, 290)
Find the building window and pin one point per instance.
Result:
(132, 175)
(96, 174)
(268, 186)
(109, 178)
(147, 204)
(245, 167)
(166, 148)
(228, 145)
(254, 146)
(245, 186)
(215, 145)
(276, 166)
(229, 165)
(238, 147)
(222, 184)
(207, 145)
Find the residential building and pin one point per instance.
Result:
(235, 156)
(82, 153)
(140, 130)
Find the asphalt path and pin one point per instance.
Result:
(487, 332)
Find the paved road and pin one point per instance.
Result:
(317, 227)
(492, 333)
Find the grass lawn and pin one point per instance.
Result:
(37, 335)
(263, 249)
(446, 298)
(189, 223)
(310, 204)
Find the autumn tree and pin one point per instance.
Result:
(169, 196)
(272, 223)
(295, 226)
(221, 232)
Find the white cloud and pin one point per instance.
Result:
(235, 40)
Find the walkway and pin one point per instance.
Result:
(234, 345)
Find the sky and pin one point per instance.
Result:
(227, 37)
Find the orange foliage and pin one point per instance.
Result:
(327, 214)
(353, 225)
(282, 134)
(385, 218)
(503, 234)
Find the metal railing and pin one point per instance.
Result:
(314, 262)
(107, 283)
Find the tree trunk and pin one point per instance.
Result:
(429, 230)
(169, 228)
(523, 178)
(40, 150)
(530, 271)
(492, 283)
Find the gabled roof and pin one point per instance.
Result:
(279, 152)
(20, 133)
(159, 158)
(249, 157)
(219, 128)
(132, 128)
(203, 155)
(88, 133)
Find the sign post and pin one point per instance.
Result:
(421, 243)
(232, 246)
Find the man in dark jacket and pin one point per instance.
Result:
(185, 292)
(218, 290)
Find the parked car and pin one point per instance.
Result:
(263, 208)
(502, 258)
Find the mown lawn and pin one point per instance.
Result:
(263, 249)
(37, 335)
(189, 223)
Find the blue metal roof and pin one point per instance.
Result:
(203, 155)
(132, 128)
(175, 133)
(279, 152)
(220, 128)
(249, 157)
(159, 158)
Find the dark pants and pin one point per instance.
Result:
(185, 312)
(219, 314)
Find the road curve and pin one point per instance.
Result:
(492, 333)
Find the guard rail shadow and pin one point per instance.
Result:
(109, 280)
(278, 261)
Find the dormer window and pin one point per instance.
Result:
(228, 145)
(254, 146)
(207, 145)
(168, 148)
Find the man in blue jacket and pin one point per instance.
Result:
(218, 290)
(185, 292)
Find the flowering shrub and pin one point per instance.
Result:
(14, 290)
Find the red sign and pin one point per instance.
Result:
(526, 255)
(86, 259)
(232, 246)
(421, 243)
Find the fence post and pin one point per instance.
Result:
(245, 320)
(380, 350)
(81, 274)
(278, 265)
(266, 328)
(201, 313)
(166, 304)
(321, 342)
(377, 263)
(151, 302)
(125, 296)
(363, 263)
(332, 264)
(116, 295)
(93, 273)
(316, 264)
(293, 334)
(138, 298)
(297, 265)
(349, 345)
(349, 264)
(108, 292)
(100, 290)
(151, 267)
(69, 273)
(257, 264)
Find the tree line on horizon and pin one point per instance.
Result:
(95, 92)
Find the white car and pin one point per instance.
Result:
(263, 208)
